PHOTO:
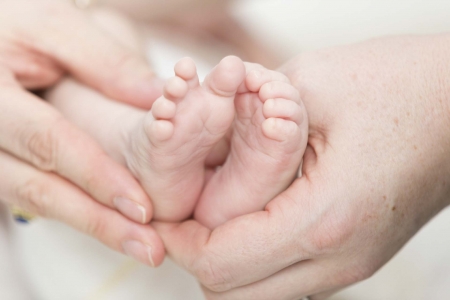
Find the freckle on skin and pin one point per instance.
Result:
(396, 121)
(384, 197)
(393, 208)
(415, 147)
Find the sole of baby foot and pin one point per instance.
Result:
(168, 153)
(268, 141)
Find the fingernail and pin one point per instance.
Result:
(130, 209)
(139, 251)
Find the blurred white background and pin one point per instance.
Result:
(54, 262)
(304, 25)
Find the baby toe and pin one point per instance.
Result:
(185, 68)
(278, 89)
(282, 108)
(163, 109)
(279, 129)
(257, 76)
(175, 88)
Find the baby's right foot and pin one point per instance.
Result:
(269, 138)
(167, 153)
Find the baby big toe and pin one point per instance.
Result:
(226, 77)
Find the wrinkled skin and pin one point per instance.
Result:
(376, 170)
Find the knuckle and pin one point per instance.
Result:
(331, 233)
(95, 227)
(212, 275)
(354, 275)
(34, 196)
(41, 144)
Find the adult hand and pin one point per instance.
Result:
(48, 166)
(376, 169)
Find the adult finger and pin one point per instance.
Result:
(31, 71)
(113, 69)
(242, 251)
(68, 35)
(35, 132)
(50, 196)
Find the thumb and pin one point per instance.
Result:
(243, 250)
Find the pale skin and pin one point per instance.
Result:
(44, 170)
(376, 86)
(266, 147)
(167, 148)
(375, 171)
(49, 167)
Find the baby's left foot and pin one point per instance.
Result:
(168, 149)
(267, 145)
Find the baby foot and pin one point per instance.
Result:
(168, 152)
(267, 145)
